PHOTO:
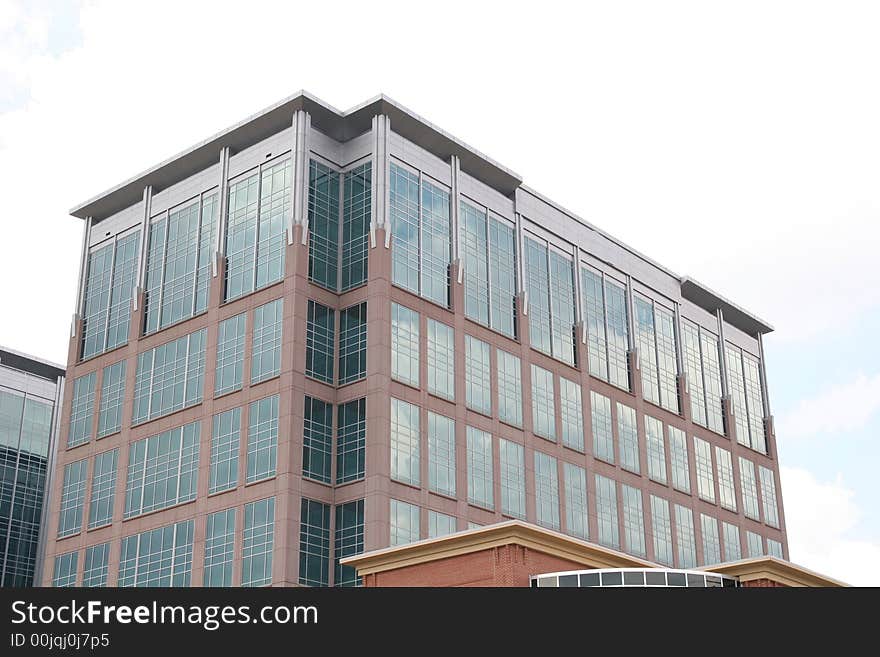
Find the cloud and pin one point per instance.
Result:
(837, 410)
(820, 518)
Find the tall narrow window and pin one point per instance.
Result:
(404, 523)
(732, 547)
(258, 542)
(646, 340)
(667, 362)
(681, 474)
(768, 496)
(109, 291)
(478, 388)
(81, 410)
(513, 479)
(656, 452)
(774, 549)
(726, 491)
(543, 403)
(441, 454)
(179, 262)
(712, 381)
(219, 541)
(603, 438)
(225, 440)
(348, 541)
(662, 530)
(317, 439)
(705, 477)
(158, 557)
(112, 393)
(405, 439)
(546, 491)
(572, 409)
(479, 462)
(744, 384)
(65, 570)
(749, 487)
(550, 285)
(323, 225)
(474, 241)
(700, 349)
(606, 512)
(95, 565)
(320, 335)
(103, 489)
(562, 305)
(502, 277)
(684, 528)
(405, 345)
(351, 433)
(255, 240)
(594, 318)
(755, 544)
(353, 343)
(633, 521)
(441, 359)
(711, 540)
(576, 510)
(230, 354)
(357, 190)
(538, 288)
(266, 351)
(262, 442)
(510, 400)
(436, 243)
(73, 493)
(314, 543)
(655, 329)
(628, 435)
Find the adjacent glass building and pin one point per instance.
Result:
(317, 334)
(30, 393)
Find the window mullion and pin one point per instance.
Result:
(166, 220)
(195, 285)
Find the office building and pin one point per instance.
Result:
(322, 333)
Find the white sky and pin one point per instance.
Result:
(735, 142)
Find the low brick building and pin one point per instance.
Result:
(519, 554)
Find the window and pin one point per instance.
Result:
(732, 549)
(348, 541)
(543, 404)
(81, 410)
(225, 441)
(681, 474)
(684, 525)
(353, 343)
(478, 389)
(405, 439)
(572, 414)
(711, 540)
(510, 401)
(73, 493)
(112, 393)
(705, 479)
(323, 225)
(607, 327)
(109, 290)
(65, 570)
(726, 491)
(314, 543)
(357, 190)
(633, 521)
(479, 461)
(628, 435)
(258, 542)
(441, 359)
(159, 557)
(489, 264)
(317, 439)
(103, 489)
(219, 542)
(546, 491)
(255, 240)
(655, 331)
(656, 451)
(550, 286)
(404, 345)
(230, 354)
(169, 377)
(606, 512)
(755, 544)
(421, 232)
(179, 262)
(440, 524)
(404, 523)
(749, 486)
(774, 548)
(441, 454)
(646, 341)
(662, 530)
(262, 444)
(576, 509)
(513, 479)
(266, 348)
(351, 431)
(320, 334)
(768, 496)
(700, 352)
(746, 396)
(95, 565)
(603, 439)
(162, 470)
